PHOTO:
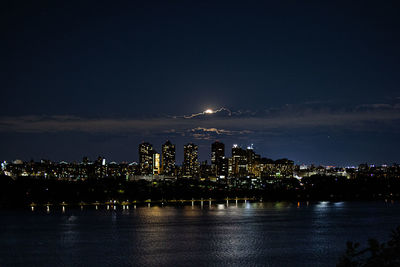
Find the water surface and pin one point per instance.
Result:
(255, 234)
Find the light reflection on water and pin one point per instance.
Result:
(268, 234)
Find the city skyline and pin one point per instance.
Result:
(167, 155)
(243, 164)
(314, 82)
(210, 133)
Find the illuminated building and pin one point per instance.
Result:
(223, 171)
(217, 158)
(250, 155)
(238, 164)
(100, 167)
(205, 170)
(146, 152)
(168, 158)
(156, 163)
(190, 164)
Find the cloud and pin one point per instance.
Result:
(376, 117)
(209, 133)
(220, 131)
(207, 112)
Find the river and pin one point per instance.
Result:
(252, 234)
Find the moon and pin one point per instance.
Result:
(208, 111)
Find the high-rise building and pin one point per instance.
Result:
(239, 161)
(146, 152)
(205, 170)
(223, 171)
(100, 167)
(156, 163)
(217, 158)
(250, 155)
(190, 164)
(168, 158)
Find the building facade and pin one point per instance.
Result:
(168, 158)
(190, 162)
(146, 152)
(156, 164)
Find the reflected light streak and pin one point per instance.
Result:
(220, 206)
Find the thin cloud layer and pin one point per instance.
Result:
(374, 118)
(205, 113)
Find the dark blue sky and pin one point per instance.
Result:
(314, 81)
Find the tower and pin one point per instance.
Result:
(190, 164)
(217, 157)
(156, 163)
(239, 161)
(146, 152)
(168, 158)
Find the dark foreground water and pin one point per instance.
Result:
(253, 234)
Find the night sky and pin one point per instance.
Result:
(312, 81)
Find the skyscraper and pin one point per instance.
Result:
(156, 163)
(239, 161)
(190, 164)
(146, 152)
(168, 158)
(250, 155)
(217, 157)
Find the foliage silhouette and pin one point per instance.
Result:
(376, 254)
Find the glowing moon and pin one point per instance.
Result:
(209, 111)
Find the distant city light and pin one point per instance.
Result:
(208, 111)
